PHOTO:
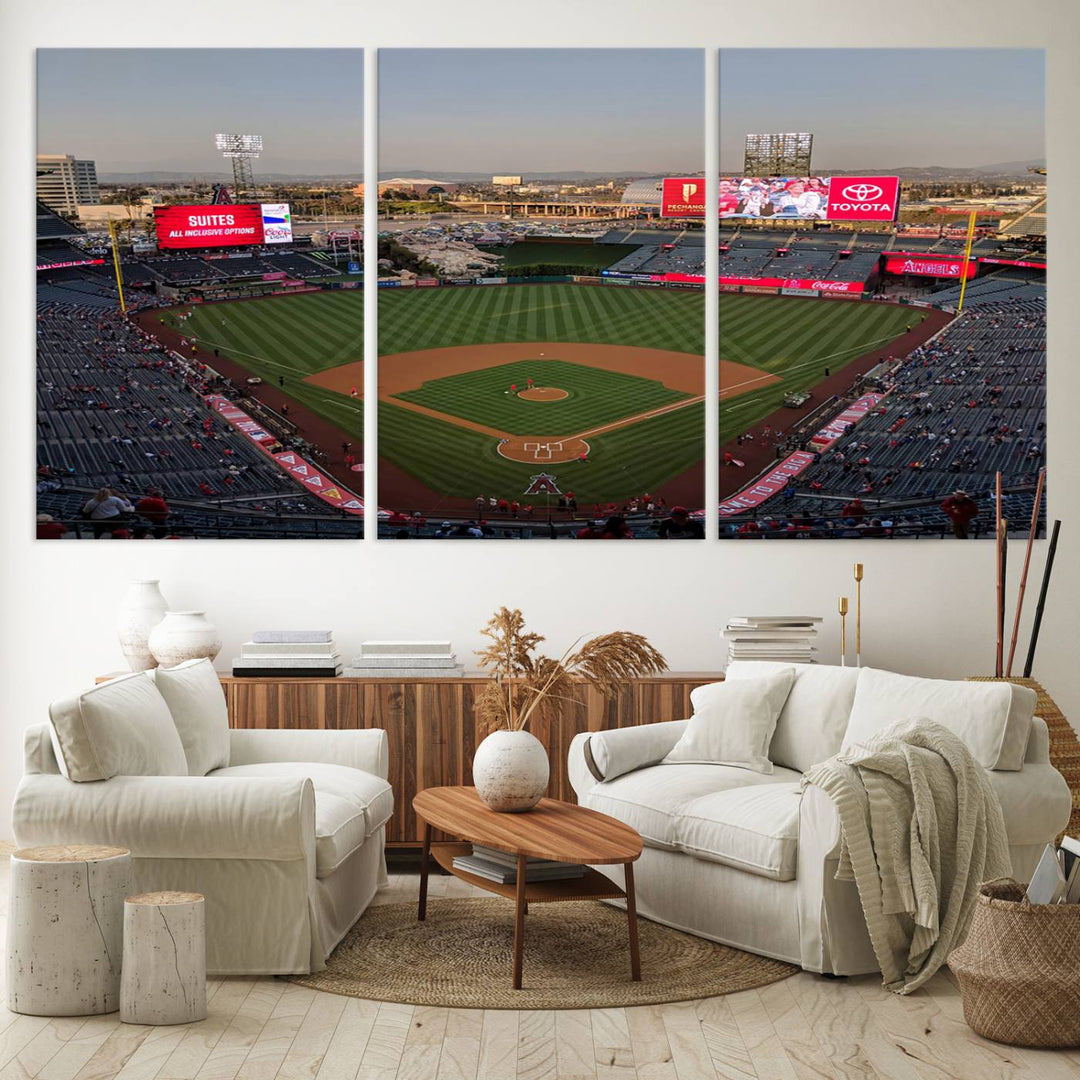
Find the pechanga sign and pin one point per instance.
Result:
(682, 196)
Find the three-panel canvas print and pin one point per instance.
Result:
(542, 276)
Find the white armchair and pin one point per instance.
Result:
(286, 841)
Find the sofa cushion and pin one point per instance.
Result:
(119, 728)
(654, 800)
(733, 722)
(366, 792)
(751, 828)
(811, 725)
(340, 828)
(193, 693)
(992, 719)
(611, 753)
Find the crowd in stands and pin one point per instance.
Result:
(193, 270)
(959, 409)
(644, 516)
(121, 416)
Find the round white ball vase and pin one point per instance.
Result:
(142, 608)
(510, 771)
(184, 635)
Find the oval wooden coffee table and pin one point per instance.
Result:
(553, 830)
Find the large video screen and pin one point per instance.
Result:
(810, 198)
(231, 225)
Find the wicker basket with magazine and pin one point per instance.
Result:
(1019, 969)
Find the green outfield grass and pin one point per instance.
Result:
(626, 462)
(411, 319)
(587, 256)
(797, 340)
(290, 336)
(621, 464)
(596, 397)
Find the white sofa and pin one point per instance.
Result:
(283, 833)
(742, 857)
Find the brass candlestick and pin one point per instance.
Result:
(841, 606)
(858, 614)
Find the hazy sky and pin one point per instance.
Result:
(541, 110)
(887, 108)
(136, 110)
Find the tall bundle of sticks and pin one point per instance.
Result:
(1001, 666)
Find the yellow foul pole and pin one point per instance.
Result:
(964, 266)
(116, 264)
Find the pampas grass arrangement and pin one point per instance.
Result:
(523, 680)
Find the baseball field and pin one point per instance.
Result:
(799, 342)
(482, 388)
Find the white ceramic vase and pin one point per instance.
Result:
(143, 607)
(510, 771)
(184, 635)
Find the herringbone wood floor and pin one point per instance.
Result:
(805, 1028)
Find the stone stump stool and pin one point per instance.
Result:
(65, 929)
(164, 979)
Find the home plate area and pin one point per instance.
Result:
(532, 449)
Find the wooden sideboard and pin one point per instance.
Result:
(432, 728)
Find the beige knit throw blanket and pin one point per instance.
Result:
(921, 829)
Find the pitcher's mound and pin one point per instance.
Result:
(536, 450)
(543, 393)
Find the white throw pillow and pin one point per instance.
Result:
(993, 720)
(812, 723)
(193, 693)
(121, 728)
(733, 722)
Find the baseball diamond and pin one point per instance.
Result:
(479, 387)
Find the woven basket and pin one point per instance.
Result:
(1019, 969)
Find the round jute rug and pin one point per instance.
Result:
(576, 957)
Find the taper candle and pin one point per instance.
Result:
(858, 614)
(841, 607)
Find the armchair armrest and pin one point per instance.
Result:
(171, 817)
(366, 749)
(1038, 747)
(596, 756)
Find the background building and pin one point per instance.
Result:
(64, 183)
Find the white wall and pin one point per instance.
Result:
(928, 605)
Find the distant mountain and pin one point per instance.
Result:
(451, 176)
(165, 176)
(927, 173)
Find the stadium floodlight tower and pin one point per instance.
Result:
(779, 154)
(243, 149)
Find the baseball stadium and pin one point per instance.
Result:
(898, 411)
(533, 403)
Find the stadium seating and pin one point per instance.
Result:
(959, 409)
(116, 409)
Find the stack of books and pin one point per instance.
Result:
(785, 639)
(292, 653)
(501, 866)
(1057, 877)
(405, 660)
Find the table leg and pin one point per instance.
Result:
(631, 916)
(425, 858)
(519, 921)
